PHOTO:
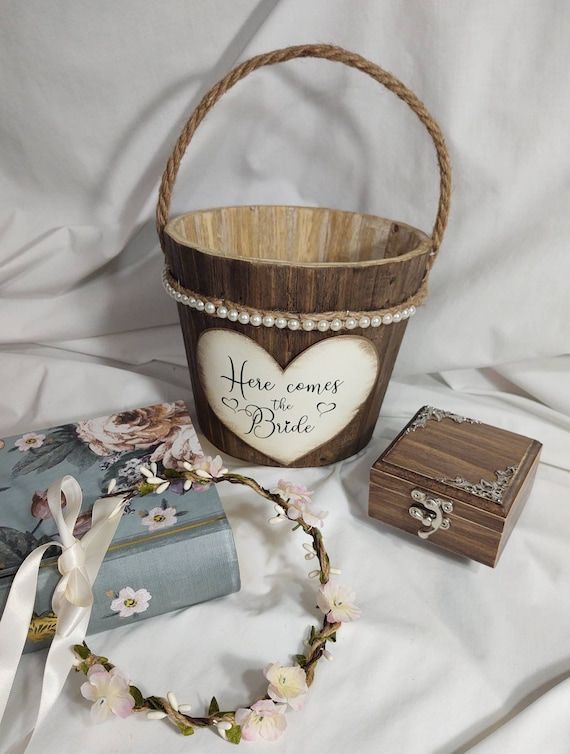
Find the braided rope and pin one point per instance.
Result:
(326, 52)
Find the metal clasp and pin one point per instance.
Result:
(430, 512)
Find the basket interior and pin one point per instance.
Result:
(294, 235)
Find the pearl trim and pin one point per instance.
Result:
(294, 323)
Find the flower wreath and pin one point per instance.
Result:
(111, 692)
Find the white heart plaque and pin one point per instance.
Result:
(285, 413)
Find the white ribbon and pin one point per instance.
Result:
(72, 600)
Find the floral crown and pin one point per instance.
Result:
(288, 685)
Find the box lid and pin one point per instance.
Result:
(96, 451)
(475, 463)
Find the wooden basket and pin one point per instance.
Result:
(293, 316)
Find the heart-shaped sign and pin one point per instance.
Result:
(285, 413)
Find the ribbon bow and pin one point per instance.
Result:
(72, 600)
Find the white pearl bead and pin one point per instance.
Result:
(280, 322)
(323, 325)
(387, 319)
(350, 323)
(233, 314)
(222, 312)
(243, 318)
(405, 313)
(185, 300)
(256, 319)
(308, 325)
(397, 317)
(210, 308)
(192, 302)
(293, 324)
(412, 310)
(268, 321)
(336, 324)
(178, 296)
(364, 322)
(200, 305)
(376, 321)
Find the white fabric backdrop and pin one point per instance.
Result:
(93, 97)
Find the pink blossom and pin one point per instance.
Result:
(300, 503)
(212, 466)
(310, 514)
(337, 603)
(109, 692)
(287, 685)
(263, 720)
(293, 493)
(206, 468)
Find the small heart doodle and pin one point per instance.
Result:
(231, 403)
(325, 408)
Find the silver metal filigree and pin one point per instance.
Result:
(429, 512)
(493, 491)
(429, 413)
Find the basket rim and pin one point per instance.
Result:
(424, 247)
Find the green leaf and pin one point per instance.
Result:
(300, 659)
(214, 706)
(45, 457)
(145, 489)
(233, 735)
(82, 651)
(154, 703)
(82, 456)
(186, 730)
(137, 696)
(312, 635)
(332, 637)
(15, 546)
(64, 433)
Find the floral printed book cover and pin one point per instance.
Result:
(170, 550)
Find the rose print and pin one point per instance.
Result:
(178, 447)
(137, 429)
(40, 509)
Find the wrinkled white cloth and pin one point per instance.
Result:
(93, 97)
(446, 650)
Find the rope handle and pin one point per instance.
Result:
(326, 52)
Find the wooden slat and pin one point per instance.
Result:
(272, 258)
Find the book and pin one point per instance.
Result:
(170, 551)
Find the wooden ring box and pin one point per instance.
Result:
(454, 482)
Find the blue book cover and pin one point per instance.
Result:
(170, 551)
